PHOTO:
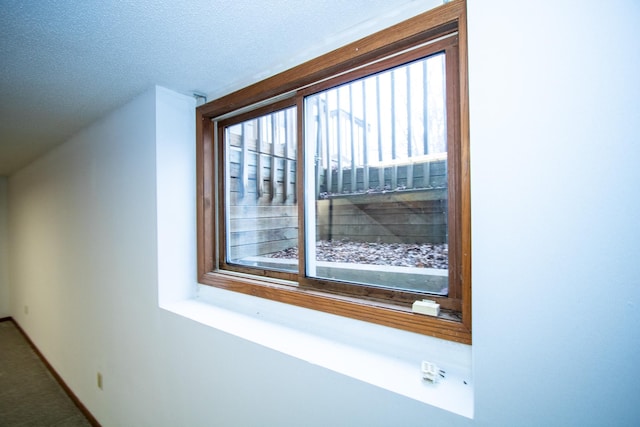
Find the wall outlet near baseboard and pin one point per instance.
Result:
(99, 380)
(26, 309)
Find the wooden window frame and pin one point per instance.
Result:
(382, 308)
(223, 265)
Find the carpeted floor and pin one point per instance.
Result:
(29, 395)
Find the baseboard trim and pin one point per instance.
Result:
(92, 420)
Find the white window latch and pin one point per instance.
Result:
(426, 306)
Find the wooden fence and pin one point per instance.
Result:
(391, 217)
(366, 191)
(262, 201)
(264, 213)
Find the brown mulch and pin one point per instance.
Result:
(396, 254)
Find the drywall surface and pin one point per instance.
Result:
(4, 249)
(82, 220)
(554, 154)
(87, 212)
(555, 272)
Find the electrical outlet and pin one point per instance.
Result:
(26, 309)
(99, 380)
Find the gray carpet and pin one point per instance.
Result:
(29, 395)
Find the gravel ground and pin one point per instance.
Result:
(396, 254)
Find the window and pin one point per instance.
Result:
(342, 184)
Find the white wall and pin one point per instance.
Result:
(554, 108)
(4, 250)
(82, 224)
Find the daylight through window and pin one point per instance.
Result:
(376, 186)
(342, 184)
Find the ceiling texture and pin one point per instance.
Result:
(64, 64)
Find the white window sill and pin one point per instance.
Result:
(378, 355)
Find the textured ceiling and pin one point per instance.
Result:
(64, 64)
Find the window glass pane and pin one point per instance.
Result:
(260, 186)
(376, 179)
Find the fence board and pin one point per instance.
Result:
(260, 223)
(433, 175)
(395, 217)
(261, 211)
(262, 236)
(245, 251)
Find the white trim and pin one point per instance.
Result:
(384, 357)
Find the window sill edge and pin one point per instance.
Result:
(381, 356)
